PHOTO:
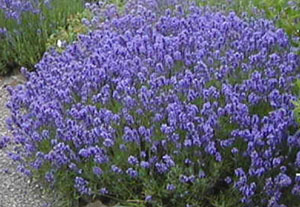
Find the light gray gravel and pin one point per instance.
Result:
(17, 190)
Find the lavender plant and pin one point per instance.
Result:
(284, 13)
(25, 26)
(182, 107)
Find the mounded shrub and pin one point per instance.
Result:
(187, 108)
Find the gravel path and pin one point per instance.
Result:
(16, 190)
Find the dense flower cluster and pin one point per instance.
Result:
(150, 94)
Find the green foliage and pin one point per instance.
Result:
(297, 103)
(286, 13)
(68, 33)
(25, 43)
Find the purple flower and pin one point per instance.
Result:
(228, 180)
(296, 190)
(108, 143)
(277, 161)
(148, 198)
(97, 171)
(161, 168)
(133, 160)
(201, 174)
(4, 141)
(82, 186)
(131, 172)
(210, 148)
(297, 162)
(239, 172)
(116, 169)
(184, 179)
(171, 187)
(145, 164)
(283, 180)
(234, 150)
(103, 191)
(49, 176)
(168, 160)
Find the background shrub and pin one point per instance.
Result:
(25, 27)
(182, 107)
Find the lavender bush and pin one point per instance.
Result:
(185, 107)
(25, 26)
(14, 9)
(284, 13)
